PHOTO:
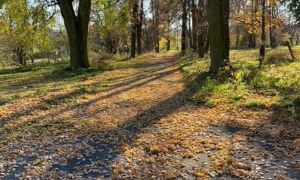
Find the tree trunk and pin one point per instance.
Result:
(190, 35)
(290, 49)
(262, 49)
(134, 28)
(216, 35)
(139, 29)
(207, 46)
(203, 44)
(168, 44)
(19, 51)
(155, 11)
(195, 26)
(238, 34)
(226, 13)
(77, 30)
(184, 26)
(273, 40)
(238, 27)
(251, 40)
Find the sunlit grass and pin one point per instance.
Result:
(276, 84)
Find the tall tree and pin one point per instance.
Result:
(139, 27)
(77, 24)
(272, 26)
(194, 25)
(134, 5)
(216, 35)
(202, 28)
(262, 49)
(184, 26)
(226, 14)
(156, 21)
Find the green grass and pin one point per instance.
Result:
(275, 85)
(42, 80)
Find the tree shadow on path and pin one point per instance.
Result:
(103, 149)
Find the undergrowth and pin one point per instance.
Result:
(275, 86)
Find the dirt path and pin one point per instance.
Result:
(141, 126)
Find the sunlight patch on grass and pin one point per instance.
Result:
(276, 84)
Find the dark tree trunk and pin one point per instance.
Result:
(251, 40)
(190, 35)
(157, 48)
(238, 27)
(207, 46)
(238, 34)
(262, 49)
(216, 35)
(139, 29)
(202, 28)
(20, 54)
(252, 36)
(134, 17)
(201, 45)
(273, 40)
(155, 11)
(195, 26)
(168, 44)
(184, 26)
(288, 44)
(77, 30)
(226, 13)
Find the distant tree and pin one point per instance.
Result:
(294, 6)
(109, 28)
(155, 7)
(23, 29)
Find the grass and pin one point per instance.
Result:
(44, 87)
(40, 80)
(274, 86)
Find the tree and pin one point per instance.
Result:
(170, 13)
(262, 49)
(194, 25)
(216, 35)
(202, 29)
(156, 21)
(134, 20)
(76, 24)
(184, 26)
(24, 28)
(294, 6)
(226, 14)
(109, 28)
(139, 27)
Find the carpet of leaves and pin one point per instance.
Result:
(137, 122)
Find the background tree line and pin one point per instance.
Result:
(31, 29)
